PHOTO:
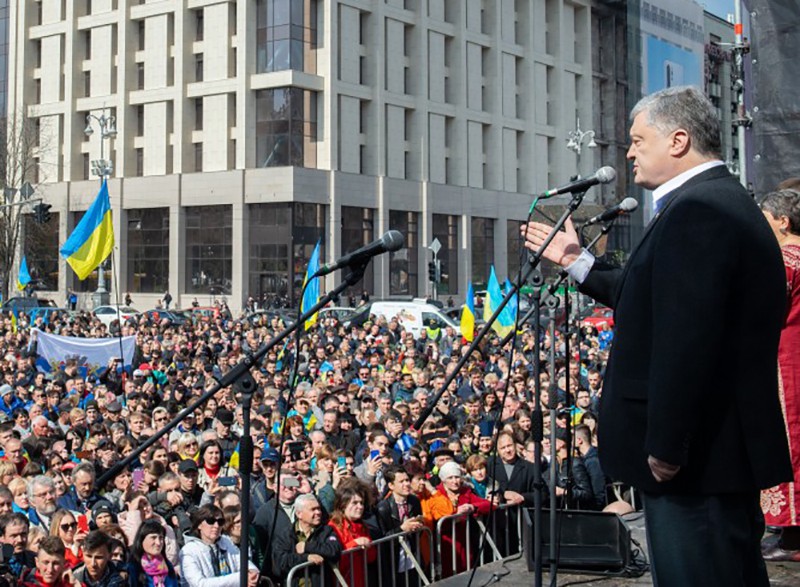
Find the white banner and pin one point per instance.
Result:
(92, 354)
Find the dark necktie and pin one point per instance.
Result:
(402, 510)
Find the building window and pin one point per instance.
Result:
(87, 83)
(482, 251)
(140, 120)
(403, 267)
(286, 128)
(513, 247)
(40, 246)
(445, 228)
(148, 250)
(286, 35)
(139, 162)
(198, 157)
(199, 24)
(209, 236)
(198, 114)
(140, 75)
(198, 67)
(141, 35)
(282, 238)
(358, 229)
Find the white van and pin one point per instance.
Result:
(413, 315)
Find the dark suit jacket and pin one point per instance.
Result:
(388, 516)
(521, 478)
(692, 378)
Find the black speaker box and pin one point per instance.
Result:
(588, 542)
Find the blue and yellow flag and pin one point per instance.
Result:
(494, 297)
(311, 294)
(93, 239)
(468, 315)
(513, 303)
(24, 275)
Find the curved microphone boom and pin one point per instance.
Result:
(626, 206)
(602, 175)
(392, 241)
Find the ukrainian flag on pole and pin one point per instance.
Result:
(468, 315)
(93, 239)
(311, 295)
(24, 275)
(494, 297)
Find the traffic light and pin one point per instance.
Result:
(41, 213)
(432, 271)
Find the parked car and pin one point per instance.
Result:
(111, 313)
(413, 314)
(204, 313)
(338, 312)
(22, 304)
(174, 317)
(600, 315)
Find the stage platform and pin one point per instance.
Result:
(515, 572)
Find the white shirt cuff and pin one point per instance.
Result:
(580, 267)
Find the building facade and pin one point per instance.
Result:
(248, 131)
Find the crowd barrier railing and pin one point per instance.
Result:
(400, 561)
(458, 538)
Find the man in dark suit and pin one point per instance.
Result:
(697, 440)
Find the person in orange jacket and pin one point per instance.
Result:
(347, 521)
(454, 497)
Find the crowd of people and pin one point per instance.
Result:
(352, 469)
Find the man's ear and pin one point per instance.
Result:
(680, 143)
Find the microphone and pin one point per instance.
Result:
(602, 175)
(389, 242)
(624, 207)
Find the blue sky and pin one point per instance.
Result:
(719, 7)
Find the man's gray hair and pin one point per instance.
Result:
(303, 500)
(684, 107)
(87, 468)
(40, 481)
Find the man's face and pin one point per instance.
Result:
(14, 451)
(96, 562)
(49, 566)
(16, 535)
(381, 444)
(44, 500)
(583, 400)
(188, 480)
(41, 428)
(311, 514)
(401, 487)
(329, 423)
(594, 380)
(473, 408)
(650, 153)
(506, 449)
(384, 404)
(83, 484)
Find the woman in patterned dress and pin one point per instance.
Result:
(781, 504)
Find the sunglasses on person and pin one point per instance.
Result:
(69, 527)
(212, 520)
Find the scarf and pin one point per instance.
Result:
(212, 472)
(156, 568)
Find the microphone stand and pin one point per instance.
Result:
(243, 380)
(533, 263)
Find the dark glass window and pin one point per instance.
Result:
(40, 246)
(513, 247)
(286, 128)
(403, 266)
(148, 250)
(209, 237)
(282, 238)
(482, 251)
(286, 35)
(358, 229)
(445, 228)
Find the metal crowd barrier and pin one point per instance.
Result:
(458, 539)
(392, 552)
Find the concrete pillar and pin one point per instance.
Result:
(240, 257)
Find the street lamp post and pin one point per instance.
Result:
(576, 138)
(103, 168)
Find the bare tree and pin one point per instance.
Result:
(21, 140)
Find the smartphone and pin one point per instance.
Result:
(226, 481)
(138, 477)
(374, 454)
(341, 462)
(83, 524)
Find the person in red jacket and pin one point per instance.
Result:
(454, 497)
(49, 571)
(352, 498)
